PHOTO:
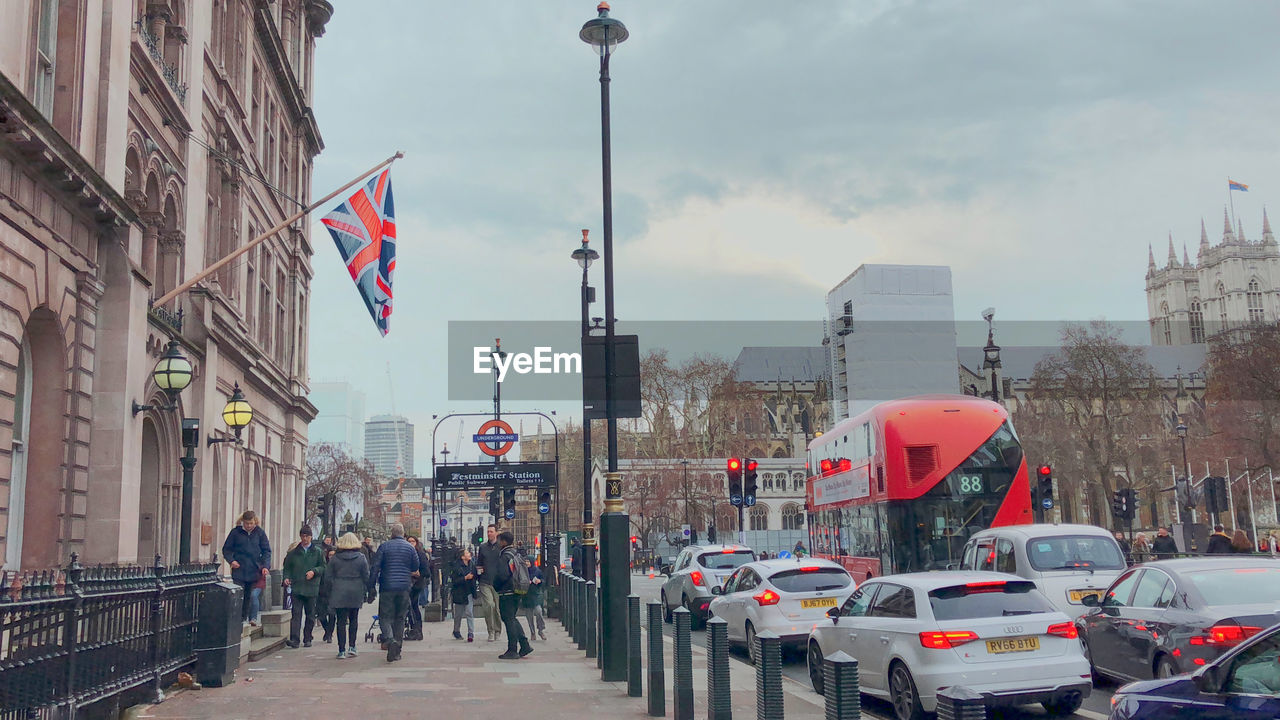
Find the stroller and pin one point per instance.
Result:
(374, 630)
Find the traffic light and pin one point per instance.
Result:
(477, 537)
(749, 482)
(735, 481)
(1119, 503)
(1044, 486)
(711, 534)
(1130, 503)
(495, 504)
(509, 503)
(544, 499)
(1215, 494)
(322, 513)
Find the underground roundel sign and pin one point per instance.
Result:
(495, 438)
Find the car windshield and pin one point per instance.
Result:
(811, 579)
(1074, 552)
(1238, 586)
(986, 600)
(725, 559)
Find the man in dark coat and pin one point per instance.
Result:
(392, 574)
(1124, 547)
(487, 565)
(1219, 542)
(303, 570)
(248, 552)
(1164, 545)
(462, 582)
(502, 571)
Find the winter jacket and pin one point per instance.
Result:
(1219, 544)
(462, 589)
(424, 576)
(251, 550)
(346, 578)
(298, 562)
(393, 566)
(1164, 547)
(533, 598)
(501, 569)
(487, 559)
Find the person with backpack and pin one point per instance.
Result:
(510, 582)
(531, 603)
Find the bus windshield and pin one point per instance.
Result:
(929, 532)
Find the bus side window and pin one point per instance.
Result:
(970, 552)
(880, 478)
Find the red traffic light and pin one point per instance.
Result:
(1045, 470)
(634, 538)
(734, 463)
(751, 465)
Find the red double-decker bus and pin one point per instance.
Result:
(902, 486)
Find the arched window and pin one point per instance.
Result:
(1164, 315)
(1222, 306)
(1254, 298)
(792, 517)
(1197, 322)
(759, 517)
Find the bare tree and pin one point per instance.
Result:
(332, 473)
(1243, 393)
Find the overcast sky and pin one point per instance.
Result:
(763, 150)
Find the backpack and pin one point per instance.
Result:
(519, 574)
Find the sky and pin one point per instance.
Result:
(763, 150)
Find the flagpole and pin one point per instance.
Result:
(1231, 199)
(258, 240)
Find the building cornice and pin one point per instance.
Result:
(287, 80)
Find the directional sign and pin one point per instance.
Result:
(735, 499)
(749, 500)
(784, 554)
(1047, 503)
(487, 476)
(544, 508)
(495, 438)
(510, 514)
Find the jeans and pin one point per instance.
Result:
(459, 612)
(532, 613)
(302, 605)
(255, 603)
(393, 606)
(508, 604)
(327, 617)
(415, 612)
(246, 600)
(348, 627)
(492, 615)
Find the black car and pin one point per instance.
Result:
(1171, 616)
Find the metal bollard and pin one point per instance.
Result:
(572, 593)
(581, 615)
(960, 703)
(657, 684)
(719, 694)
(635, 687)
(592, 617)
(840, 687)
(599, 629)
(564, 606)
(768, 676)
(682, 683)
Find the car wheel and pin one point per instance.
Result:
(1088, 654)
(1165, 667)
(666, 610)
(753, 653)
(902, 690)
(816, 678)
(695, 622)
(1066, 705)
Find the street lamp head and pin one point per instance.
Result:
(603, 32)
(584, 255)
(237, 414)
(1182, 430)
(172, 372)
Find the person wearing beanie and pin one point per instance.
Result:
(303, 570)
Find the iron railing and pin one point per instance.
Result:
(167, 69)
(75, 636)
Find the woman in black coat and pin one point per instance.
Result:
(462, 588)
(345, 579)
(248, 552)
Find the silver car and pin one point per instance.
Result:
(914, 634)
(696, 570)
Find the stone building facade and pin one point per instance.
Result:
(137, 142)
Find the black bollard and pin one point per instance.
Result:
(571, 594)
(960, 703)
(840, 687)
(599, 629)
(719, 693)
(768, 676)
(581, 615)
(682, 683)
(592, 617)
(657, 684)
(635, 686)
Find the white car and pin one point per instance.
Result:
(918, 633)
(696, 570)
(1067, 562)
(785, 596)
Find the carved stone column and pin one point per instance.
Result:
(172, 243)
(152, 221)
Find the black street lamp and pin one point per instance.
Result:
(685, 463)
(1186, 474)
(605, 34)
(237, 414)
(991, 354)
(172, 374)
(584, 256)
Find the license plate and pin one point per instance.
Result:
(1008, 645)
(1079, 595)
(818, 602)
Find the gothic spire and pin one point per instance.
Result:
(1240, 231)
(1204, 237)
(1267, 237)
(1186, 259)
(1173, 256)
(1228, 235)
(1151, 259)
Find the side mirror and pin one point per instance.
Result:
(665, 570)
(834, 614)
(1209, 680)
(1090, 601)
(717, 590)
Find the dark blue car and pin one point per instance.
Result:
(1243, 684)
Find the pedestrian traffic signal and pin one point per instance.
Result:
(477, 536)
(1119, 504)
(735, 481)
(1044, 486)
(749, 481)
(509, 503)
(495, 506)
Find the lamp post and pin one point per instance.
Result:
(237, 414)
(685, 464)
(584, 256)
(1186, 474)
(991, 354)
(604, 34)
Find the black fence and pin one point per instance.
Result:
(73, 637)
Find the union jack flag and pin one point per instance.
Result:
(364, 229)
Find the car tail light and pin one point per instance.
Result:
(768, 597)
(814, 568)
(947, 639)
(696, 577)
(984, 587)
(1225, 635)
(1063, 630)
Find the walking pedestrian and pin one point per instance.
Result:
(1241, 544)
(248, 552)
(1275, 544)
(392, 574)
(1125, 549)
(532, 601)
(1141, 548)
(1219, 542)
(503, 570)
(575, 555)
(303, 569)
(462, 594)
(487, 567)
(1164, 545)
(346, 577)
(323, 608)
(368, 549)
(416, 590)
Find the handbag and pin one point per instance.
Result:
(288, 597)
